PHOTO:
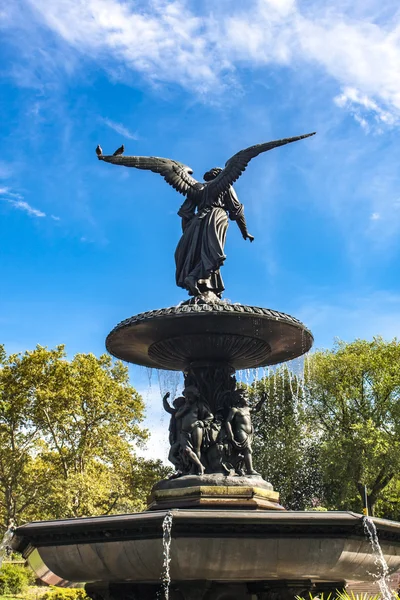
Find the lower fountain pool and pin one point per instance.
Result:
(252, 550)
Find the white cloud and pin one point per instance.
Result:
(362, 107)
(167, 41)
(120, 129)
(17, 201)
(5, 191)
(22, 205)
(375, 216)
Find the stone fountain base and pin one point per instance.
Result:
(214, 491)
(215, 554)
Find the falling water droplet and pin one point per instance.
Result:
(5, 546)
(290, 377)
(149, 375)
(166, 541)
(380, 561)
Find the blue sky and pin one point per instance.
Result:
(85, 244)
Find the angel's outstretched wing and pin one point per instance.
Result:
(236, 165)
(175, 173)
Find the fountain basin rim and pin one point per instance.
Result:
(240, 335)
(224, 523)
(230, 545)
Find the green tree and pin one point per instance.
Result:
(19, 437)
(286, 446)
(68, 433)
(353, 395)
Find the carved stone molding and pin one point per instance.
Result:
(243, 336)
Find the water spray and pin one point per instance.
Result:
(365, 509)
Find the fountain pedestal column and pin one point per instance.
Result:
(211, 432)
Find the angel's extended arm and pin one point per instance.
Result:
(236, 212)
(236, 165)
(178, 175)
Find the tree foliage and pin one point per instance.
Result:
(322, 440)
(353, 397)
(68, 432)
(286, 447)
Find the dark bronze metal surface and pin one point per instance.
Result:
(205, 212)
(242, 336)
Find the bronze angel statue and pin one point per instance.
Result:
(205, 212)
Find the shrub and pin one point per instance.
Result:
(65, 594)
(14, 578)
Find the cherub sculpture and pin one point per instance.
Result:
(240, 428)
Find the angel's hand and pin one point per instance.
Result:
(250, 237)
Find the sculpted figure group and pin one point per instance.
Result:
(205, 443)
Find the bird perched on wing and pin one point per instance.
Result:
(120, 151)
(99, 150)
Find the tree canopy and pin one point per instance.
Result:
(322, 441)
(354, 398)
(286, 445)
(68, 433)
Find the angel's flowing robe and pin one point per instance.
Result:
(200, 251)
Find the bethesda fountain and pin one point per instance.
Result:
(215, 529)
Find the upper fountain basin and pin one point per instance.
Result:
(241, 336)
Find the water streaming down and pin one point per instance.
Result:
(166, 542)
(298, 390)
(382, 566)
(168, 381)
(290, 378)
(275, 386)
(5, 546)
(296, 373)
(149, 372)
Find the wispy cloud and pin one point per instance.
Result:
(16, 201)
(22, 205)
(364, 109)
(120, 129)
(352, 43)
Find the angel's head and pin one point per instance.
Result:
(212, 174)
